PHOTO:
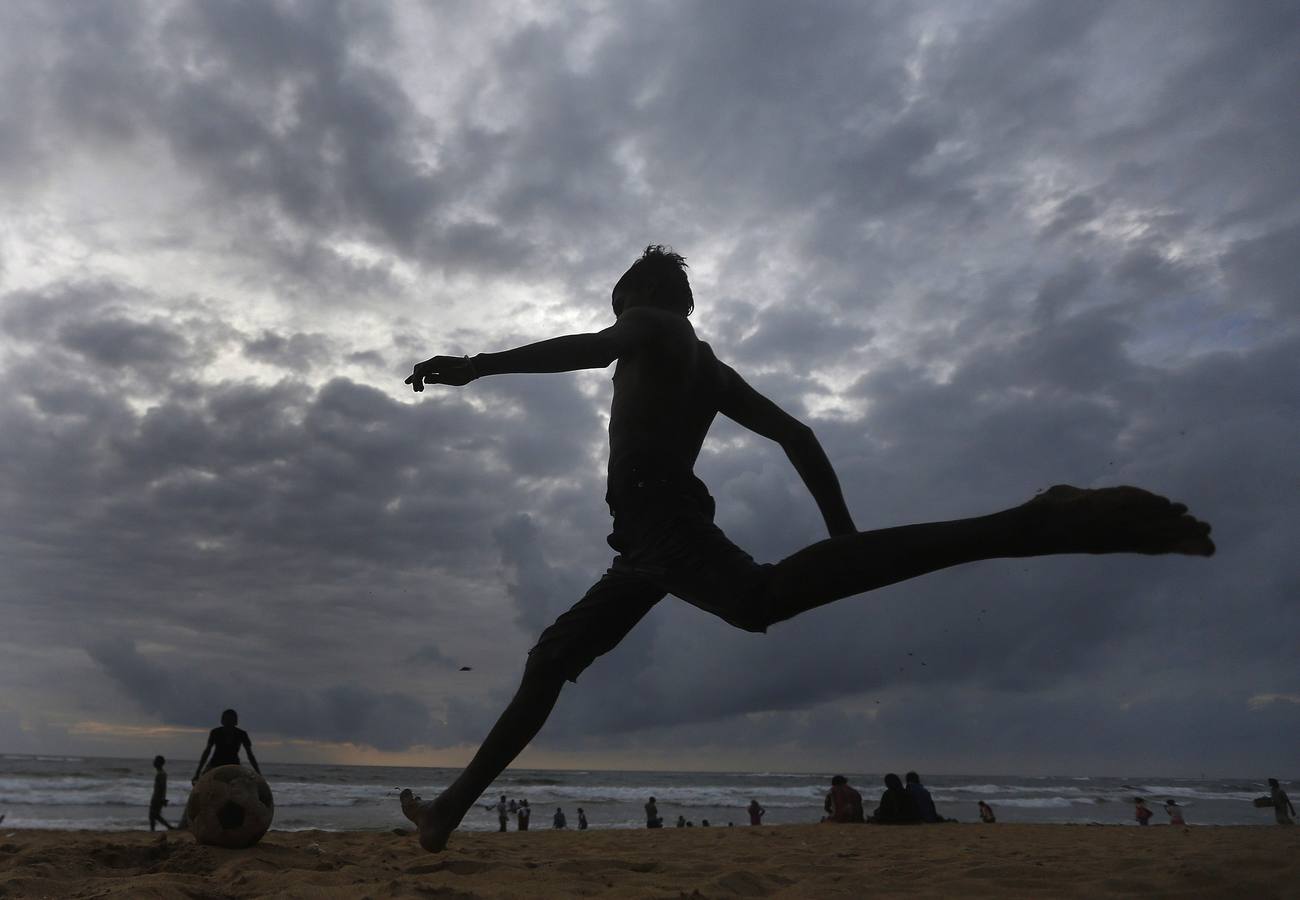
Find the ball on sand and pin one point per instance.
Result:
(230, 806)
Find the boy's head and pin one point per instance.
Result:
(839, 779)
(658, 279)
(230, 718)
(158, 762)
(912, 778)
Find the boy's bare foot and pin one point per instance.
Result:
(431, 817)
(1115, 520)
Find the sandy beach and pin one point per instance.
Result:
(781, 862)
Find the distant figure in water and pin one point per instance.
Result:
(652, 817)
(559, 821)
(681, 821)
(986, 814)
(896, 805)
(921, 798)
(669, 387)
(842, 803)
(582, 820)
(756, 813)
(1175, 812)
(1141, 811)
(525, 813)
(224, 743)
(503, 812)
(1281, 803)
(159, 798)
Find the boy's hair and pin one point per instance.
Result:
(230, 717)
(661, 273)
(912, 778)
(159, 762)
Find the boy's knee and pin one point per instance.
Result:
(757, 614)
(753, 620)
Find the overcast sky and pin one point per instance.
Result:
(981, 247)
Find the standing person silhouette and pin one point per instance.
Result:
(668, 388)
(159, 797)
(223, 744)
(1281, 803)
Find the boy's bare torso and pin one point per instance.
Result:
(666, 395)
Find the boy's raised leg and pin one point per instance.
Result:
(1060, 520)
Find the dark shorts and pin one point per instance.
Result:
(667, 544)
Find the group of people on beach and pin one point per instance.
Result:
(1283, 811)
(523, 813)
(222, 749)
(1144, 813)
(900, 804)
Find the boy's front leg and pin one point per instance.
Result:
(436, 819)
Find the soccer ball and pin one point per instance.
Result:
(230, 806)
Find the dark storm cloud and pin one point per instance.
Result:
(338, 712)
(213, 491)
(1006, 245)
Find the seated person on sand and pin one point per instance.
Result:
(669, 387)
(986, 814)
(224, 743)
(652, 817)
(921, 798)
(843, 803)
(896, 805)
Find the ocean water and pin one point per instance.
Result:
(104, 793)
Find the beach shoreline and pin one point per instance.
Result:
(784, 861)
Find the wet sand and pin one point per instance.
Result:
(793, 861)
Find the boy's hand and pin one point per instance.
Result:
(452, 370)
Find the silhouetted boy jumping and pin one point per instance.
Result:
(668, 387)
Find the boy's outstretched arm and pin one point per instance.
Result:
(747, 407)
(594, 350)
